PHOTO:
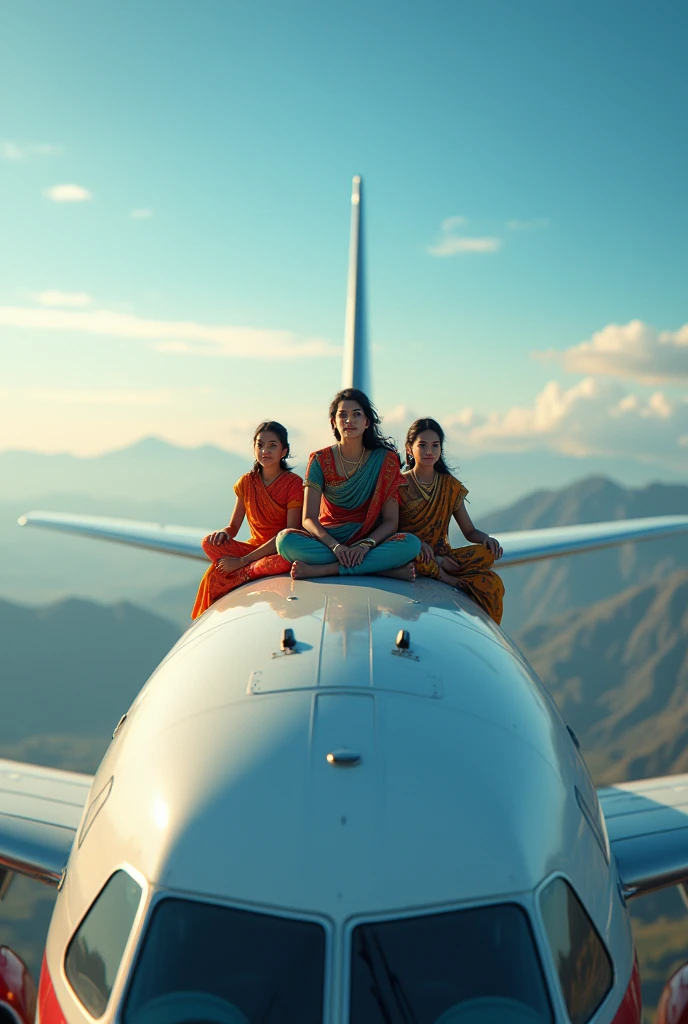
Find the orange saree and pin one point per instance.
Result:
(427, 512)
(266, 513)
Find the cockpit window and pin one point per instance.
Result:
(95, 953)
(211, 964)
(582, 962)
(467, 967)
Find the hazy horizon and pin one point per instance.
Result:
(177, 266)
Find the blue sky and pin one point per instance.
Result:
(195, 282)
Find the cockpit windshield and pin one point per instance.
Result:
(211, 964)
(467, 967)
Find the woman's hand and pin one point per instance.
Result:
(357, 553)
(350, 556)
(228, 564)
(426, 552)
(341, 553)
(221, 537)
(494, 546)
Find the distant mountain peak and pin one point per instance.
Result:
(158, 447)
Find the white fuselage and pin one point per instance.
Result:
(464, 792)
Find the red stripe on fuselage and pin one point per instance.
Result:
(49, 1009)
(631, 1009)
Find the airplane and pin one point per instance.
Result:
(341, 800)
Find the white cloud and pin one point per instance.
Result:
(54, 297)
(101, 396)
(635, 350)
(449, 243)
(141, 214)
(16, 151)
(452, 223)
(400, 414)
(172, 336)
(466, 418)
(10, 150)
(591, 418)
(68, 194)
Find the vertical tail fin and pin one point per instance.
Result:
(356, 369)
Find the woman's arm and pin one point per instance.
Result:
(474, 535)
(311, 523)
(388, 527)
(230, 532)
(230, 563)
(389, 524)
(311, 516)
(270, 546)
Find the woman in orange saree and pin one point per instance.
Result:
(270, 497)
(428, 503)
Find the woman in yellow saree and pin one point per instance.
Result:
(428, 503)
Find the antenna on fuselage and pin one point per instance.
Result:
(356, 370)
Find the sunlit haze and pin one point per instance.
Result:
(175, 201)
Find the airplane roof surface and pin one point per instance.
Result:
(223, 759)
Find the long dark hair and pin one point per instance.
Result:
(416, 428)
(275, 428)
(372, 435)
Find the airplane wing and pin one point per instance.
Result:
(40, 811)
(519, 547)
(533, 545)
(647, 823)
(172, 540)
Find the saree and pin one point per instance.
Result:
(266, 513)
(350, 507)
(427, 513)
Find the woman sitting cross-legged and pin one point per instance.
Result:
(270, 497)
(351, 507)
(432, 497)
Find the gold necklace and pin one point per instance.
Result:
(350, 462)
(425, 489)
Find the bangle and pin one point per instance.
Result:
(369, 542)
(335, 547)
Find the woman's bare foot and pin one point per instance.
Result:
(446, 578)
(404, 572)
(304, 571)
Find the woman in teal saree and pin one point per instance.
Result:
(351, 508)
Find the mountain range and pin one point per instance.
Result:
(537, 592)
(159, 482)
(150, 470)
(153, 470)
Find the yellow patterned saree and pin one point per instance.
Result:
(427, 512)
